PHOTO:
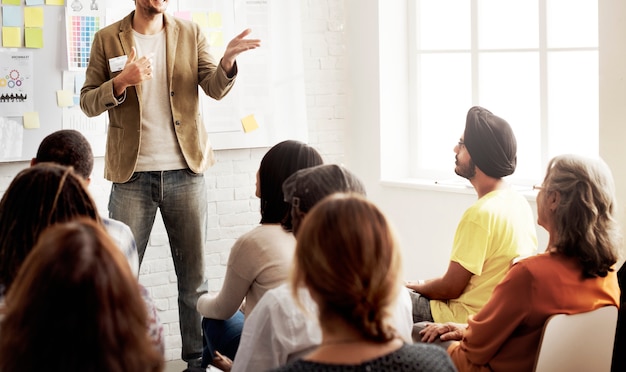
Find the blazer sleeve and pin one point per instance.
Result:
(212, 78)
(96, 95)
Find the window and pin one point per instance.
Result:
(533, 63)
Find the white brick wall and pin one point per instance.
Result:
(233, 208)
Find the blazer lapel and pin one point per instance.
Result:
(171, 34)
(127, 40)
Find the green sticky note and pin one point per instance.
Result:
(33, 37)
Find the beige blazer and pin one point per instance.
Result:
(189, 65)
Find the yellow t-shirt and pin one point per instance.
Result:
(494, 231)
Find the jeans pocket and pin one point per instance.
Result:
(133, 178)
(193, 174)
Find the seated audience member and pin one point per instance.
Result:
(495, 230)
(40, 196)
(70, 148)
(37, 197)
(278, 330)
(260, 259)
(75, 306)
(576, 206)
(348, 259)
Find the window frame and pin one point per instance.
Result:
(445, 176)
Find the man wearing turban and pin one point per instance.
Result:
(498, 228)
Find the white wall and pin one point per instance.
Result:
(612, 24)
(233, 208)
(426, 217)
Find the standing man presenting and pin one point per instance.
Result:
(495, 230)
(145, 70)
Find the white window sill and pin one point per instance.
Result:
(460, 186)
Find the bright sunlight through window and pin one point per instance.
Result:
(533, 63)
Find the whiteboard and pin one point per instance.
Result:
(270, 84)
(269, 89)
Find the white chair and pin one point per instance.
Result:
(578, 342)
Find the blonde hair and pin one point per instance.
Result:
(348, 256)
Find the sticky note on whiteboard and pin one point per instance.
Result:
(31, 120)
(249, 123)
(65, 98)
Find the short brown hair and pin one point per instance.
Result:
(67, 147)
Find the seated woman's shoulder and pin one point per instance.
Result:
(427, 357)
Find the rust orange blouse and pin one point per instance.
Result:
(505, 334)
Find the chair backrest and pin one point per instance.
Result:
(578, 342)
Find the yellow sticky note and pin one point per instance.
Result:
(65, 98)
(11, 2)
(33, 37)
(200, 18)
(216, 39)
(11, 37)
(249, 123)
(31, 120)
(33, 16)
(215, 19)
(55, 2)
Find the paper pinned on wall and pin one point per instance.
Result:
(65, 98)
(249, 123)
(16, 83)
(33, 37)
(200, 18)
(216, 39)
(12, 16)
(33, 16)
(11, 2)
(12, 37)
(31, 120)
(79, 81)
(215, 19)
(80, 28)
(11, 139)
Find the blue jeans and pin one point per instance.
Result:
(180, 195)
(221, 335)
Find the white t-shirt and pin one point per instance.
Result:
(278, 331)
(159, 149)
